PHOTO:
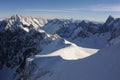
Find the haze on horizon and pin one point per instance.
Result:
(95, 10)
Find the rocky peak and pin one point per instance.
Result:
(83, 22)
(16, 16)
(109, 20)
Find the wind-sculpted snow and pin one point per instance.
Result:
(66, 50)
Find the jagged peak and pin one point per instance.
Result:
(83, 22)
(16, 16)
(110, 16)
(109, 19)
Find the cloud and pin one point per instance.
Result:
(52, 10)
(97, 8)
(105, 8)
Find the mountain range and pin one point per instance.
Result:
(59, 49)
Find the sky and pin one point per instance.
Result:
(94, 10)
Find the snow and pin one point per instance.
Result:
(103, 65)
(30, 59)
(93, 41)
(24, 28)
(52, 27)
(76, 32)
(6, 73)
(116, 23)
(66, 50)
(115, 41)
(70, 58)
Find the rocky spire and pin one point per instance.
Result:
(109, 19)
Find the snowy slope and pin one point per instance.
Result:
(104, 65)
(94, 41)
(54, 25)
(28, 52)
(115, 41)
(6, 71)
(67, 50)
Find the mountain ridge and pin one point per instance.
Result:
(24, 41)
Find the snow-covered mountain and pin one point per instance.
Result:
(68, 28)
(18, 21)
(111, 26)
(59, 49)
(19, 40)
